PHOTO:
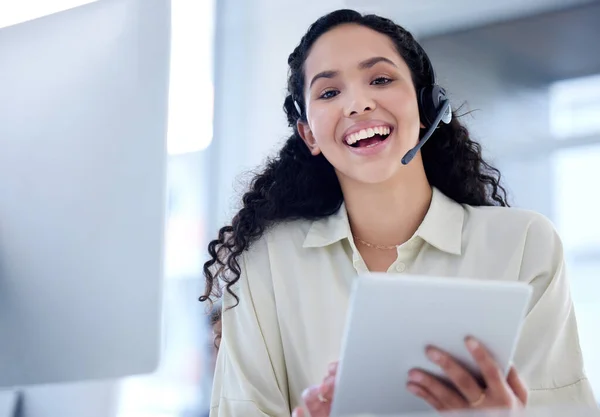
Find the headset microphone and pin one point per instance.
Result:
(444, 115)
(434, 106)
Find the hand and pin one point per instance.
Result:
(318, 397)
(466, 393)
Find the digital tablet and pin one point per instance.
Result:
(393, 318)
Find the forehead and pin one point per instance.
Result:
(347, 45)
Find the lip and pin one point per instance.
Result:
(364, 125)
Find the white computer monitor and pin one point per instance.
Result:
(83, 114)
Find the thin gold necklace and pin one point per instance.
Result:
(371, 245)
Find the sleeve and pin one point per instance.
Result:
(548, 356)
(250, 378)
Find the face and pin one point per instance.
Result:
(361, 104)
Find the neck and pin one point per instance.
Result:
(387, 213)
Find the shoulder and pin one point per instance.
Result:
(516, 222)
(277, 238)
(525, 236)
(277, 245)
(280, 241)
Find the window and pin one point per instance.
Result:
(575, 108)
(577, 197)
(191, 90)
(577, 202)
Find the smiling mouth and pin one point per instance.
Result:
(370, 142)
(368, 138)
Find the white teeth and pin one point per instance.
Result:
(367, 133)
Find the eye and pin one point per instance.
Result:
(381, 81)
(329, 94)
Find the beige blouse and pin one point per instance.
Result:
(296, 283)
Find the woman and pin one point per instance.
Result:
(338, 201)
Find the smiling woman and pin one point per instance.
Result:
(342, 199)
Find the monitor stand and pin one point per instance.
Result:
(9, 401)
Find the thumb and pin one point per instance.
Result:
(517, 385)
(315, 407)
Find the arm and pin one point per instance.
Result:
(548, 356)
(250, 377)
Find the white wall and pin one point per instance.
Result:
(253, 44)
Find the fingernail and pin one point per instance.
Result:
(415, 376)
(472, 344)
(332, 367)
(434, 355)
(322, 388)
(412, 389)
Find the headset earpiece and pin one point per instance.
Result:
(431, 98)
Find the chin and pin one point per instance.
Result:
(373, 176)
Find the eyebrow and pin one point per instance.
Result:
(366, 64)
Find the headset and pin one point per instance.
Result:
(434, 107)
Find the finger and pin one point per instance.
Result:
(492, 375)
(446, 395)
(517, 385)
(332, 368)
(298, 412)
(314, 405)
(425, 395)
(462, 379)
(327, 388)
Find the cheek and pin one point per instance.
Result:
(323, 122)
(405, 109)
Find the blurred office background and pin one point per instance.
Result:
(528, 71)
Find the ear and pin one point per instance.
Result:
(308, 137)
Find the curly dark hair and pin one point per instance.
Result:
(297, 185)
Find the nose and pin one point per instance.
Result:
(359, 103)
